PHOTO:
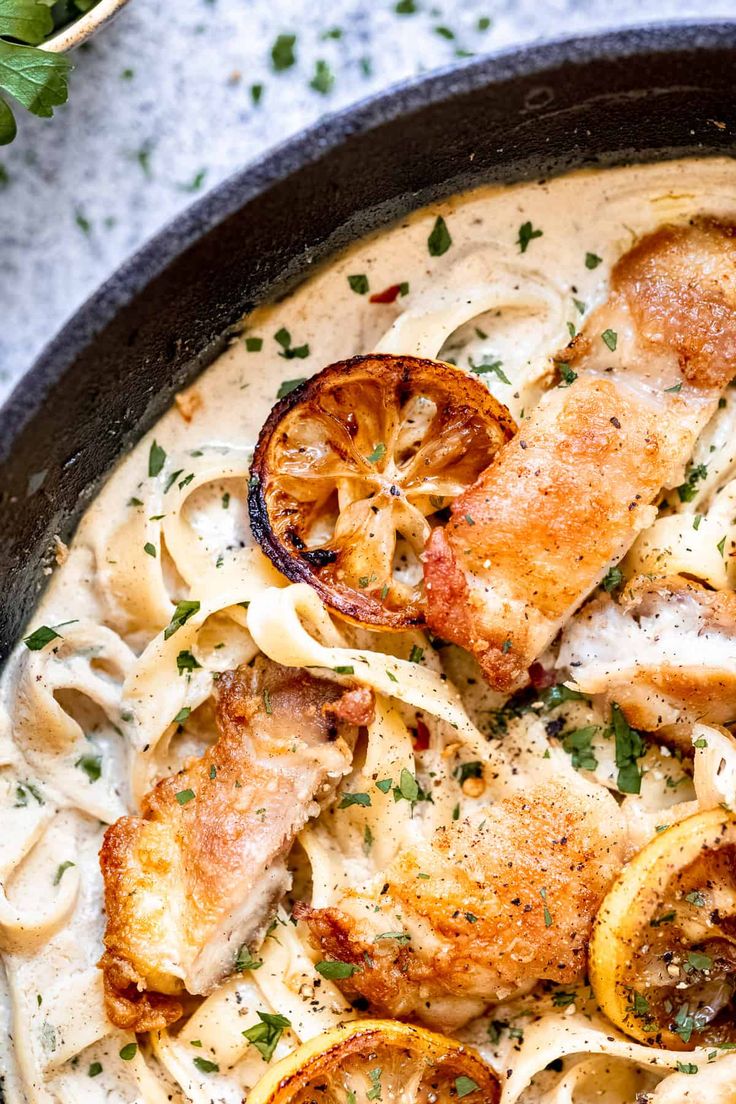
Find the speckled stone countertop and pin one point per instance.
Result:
(162, 107)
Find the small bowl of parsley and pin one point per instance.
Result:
(34, 36)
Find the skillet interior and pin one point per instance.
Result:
(638, 95)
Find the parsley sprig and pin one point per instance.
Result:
(36, 79)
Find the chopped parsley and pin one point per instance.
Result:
(204, 1065)
(129, 1051)
(367, 840)
(379, 451)
(156, 459)
(288, 386)
(359, 284)
(696, 898)
(336, 971)
(487, 366)
(323, 79)
(95, 1069)
(439, 241)
(567, 375)
(400, 937)
(688, 490)
(349, 799)
(184, 796)
(610, 339)
(182, 715)
(416, 654)
(384, 785)
(282, 53)
(560, 693)
(185, 661)
(91, 765)
(150, 549)
(408, 787)
(687, 1067)
(40, 637)
(592, 260)
(61, 869)
(245, 961)
(184, 610)
(344, 670)
(577, 744)
(527, 233)
(253, 344)
(264, 1036)
(282, 337)
(464, 1086)
(472, 769)
(629, 748)
(612, 579)
(548, 921)
(698, 961)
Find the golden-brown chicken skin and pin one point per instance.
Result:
(483, 910)
(199, 873)
(566, 497)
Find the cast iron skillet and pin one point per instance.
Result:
(636, 95)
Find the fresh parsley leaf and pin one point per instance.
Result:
(464, 1086)
(184, 610)
(439, 241)
(560, 693)
(408, 787)
(336, 971)
(379, 451)
(629, 747)
(35, 78)
(185, 661)
(91, 765)
(60, 870)
(567, 375)
(689, 489)
(577, 744)
(40, 637)
(282, 52)
(349, 799)
(699, 961)
(245, 960)
(612, 579)
(527, 233)
(359, 284)
(487, 366)
(323, 79)
(264, 1036)
(25, 20)
(204, 1065)
(156, 460)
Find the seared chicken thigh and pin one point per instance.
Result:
(566, 497)
(483, 910)
(199, 873)
(665, 652)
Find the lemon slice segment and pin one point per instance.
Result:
(663, 949)
(354, 466)
(378, 1060)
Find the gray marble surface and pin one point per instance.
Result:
(161, 109)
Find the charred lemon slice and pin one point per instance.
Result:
(353, 467)
(663, 950)
(382, 1060)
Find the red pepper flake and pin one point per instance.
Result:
(421, 740)
(388, 295)
(540, 677)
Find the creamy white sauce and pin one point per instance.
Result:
(483, 298)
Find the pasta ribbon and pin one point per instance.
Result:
(274, 621)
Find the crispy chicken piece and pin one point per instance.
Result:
(665, 652)
(483, 910)
(199, 873)
(568, 494)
